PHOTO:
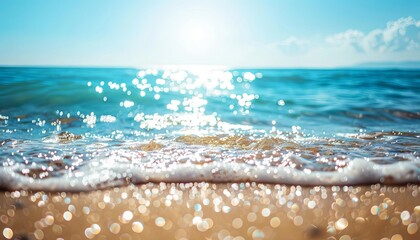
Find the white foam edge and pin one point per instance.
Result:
(93, 176)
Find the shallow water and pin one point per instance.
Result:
(83, 128)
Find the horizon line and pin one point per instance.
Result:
(361, 66)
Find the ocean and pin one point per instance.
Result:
(77, 129)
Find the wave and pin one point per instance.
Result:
(83, 129)
(188, 158)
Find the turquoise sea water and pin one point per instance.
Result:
(85, 128)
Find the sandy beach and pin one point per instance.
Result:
(214, 211)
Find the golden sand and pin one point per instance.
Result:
(214, 211)
(237, 142)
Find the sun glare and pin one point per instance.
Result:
(197, 36)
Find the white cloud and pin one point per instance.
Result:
(293, 45)
(400, 35)
(397, 41)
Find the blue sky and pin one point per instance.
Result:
(233, 33)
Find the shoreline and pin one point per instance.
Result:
(215, 211)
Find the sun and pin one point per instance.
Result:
(198, 36)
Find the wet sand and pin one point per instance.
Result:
(214, 211)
